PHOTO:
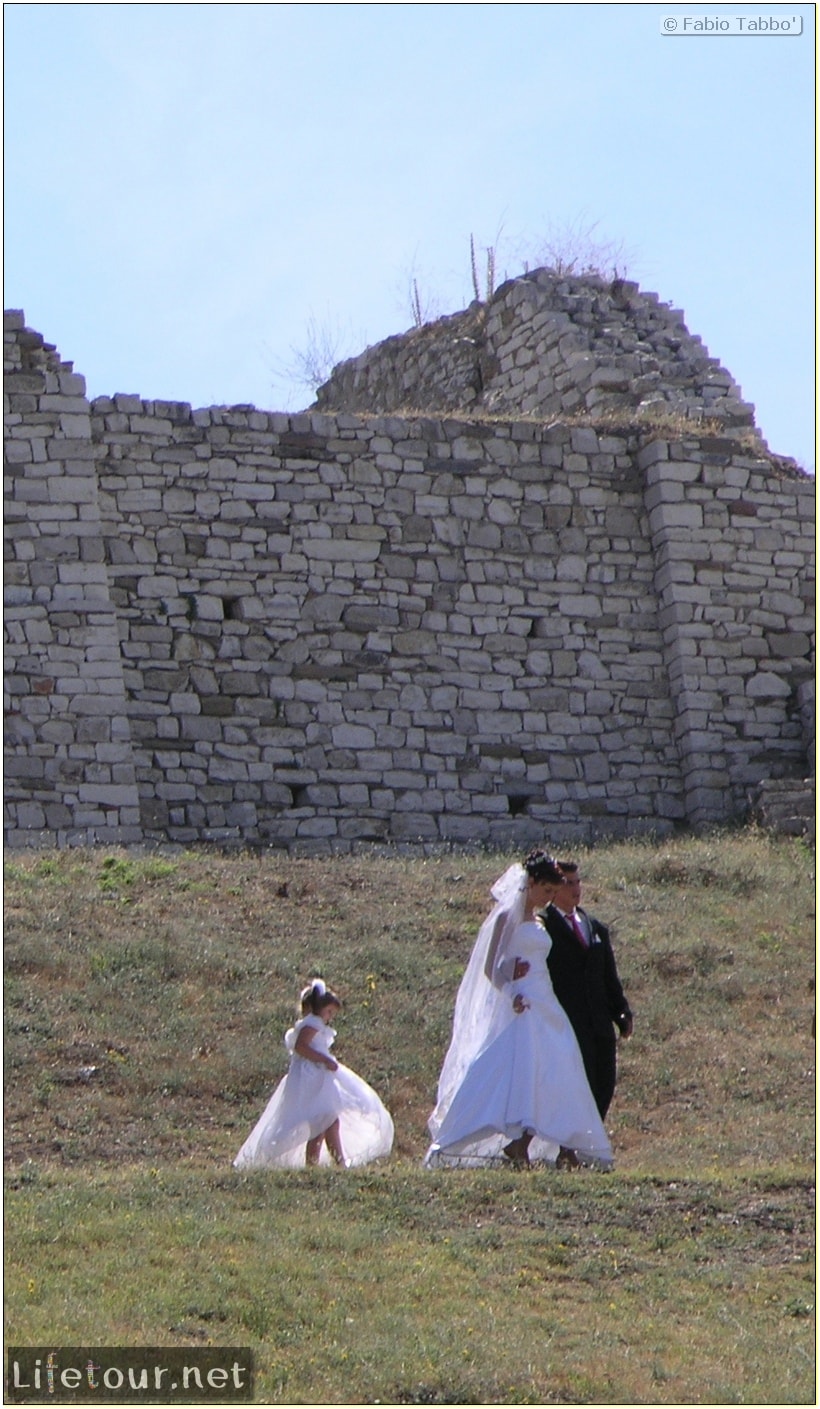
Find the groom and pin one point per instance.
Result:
(582, 968)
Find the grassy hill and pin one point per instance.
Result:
(146, 999)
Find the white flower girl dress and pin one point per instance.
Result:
(308, 1100)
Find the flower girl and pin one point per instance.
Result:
(321, 1110)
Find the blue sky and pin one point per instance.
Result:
(189, 189)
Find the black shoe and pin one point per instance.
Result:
(516, 1151)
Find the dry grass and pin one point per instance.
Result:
(147, 996)
(146, 1001)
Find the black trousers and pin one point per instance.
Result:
(598, 1052)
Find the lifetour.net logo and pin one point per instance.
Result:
(128, 1375)
(732, 24)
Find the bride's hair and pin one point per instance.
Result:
(316, 996)
(540, 866)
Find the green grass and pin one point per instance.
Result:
(146, 1000)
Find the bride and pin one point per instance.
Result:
(513, 1083)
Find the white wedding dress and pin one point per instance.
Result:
(308, 1100)
(527, 1076)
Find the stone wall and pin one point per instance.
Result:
(546, 346)
(321, 631)
(69, 766)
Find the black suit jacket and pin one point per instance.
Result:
(587, 986)
(586, 981)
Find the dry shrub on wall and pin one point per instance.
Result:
(572, 247)
(575, 247)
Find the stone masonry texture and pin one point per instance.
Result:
(481, 623)
(545, 346)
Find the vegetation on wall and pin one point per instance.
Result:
(567, 248)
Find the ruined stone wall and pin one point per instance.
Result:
(69, 769)
(320, 631)
(733, 546)
(546, 346)
(388, 631)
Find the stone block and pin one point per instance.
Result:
(353, 736)
(586, 607)
(790, 644)
(584, 440)
(107, 795)
(571, 568)
(766, 686)
(671, 517)
(72, 490)
(651, 454)
(663, 492)
(18, 452)
(338, 550)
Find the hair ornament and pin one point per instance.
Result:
(313, 993)
(540, 866)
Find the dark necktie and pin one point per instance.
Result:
(579, 933)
